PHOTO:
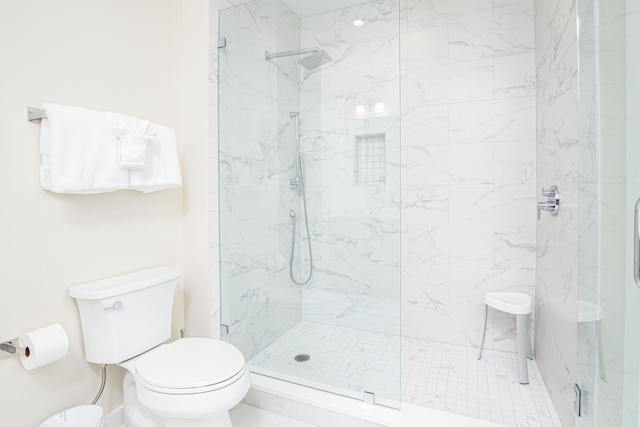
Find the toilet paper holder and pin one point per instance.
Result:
(8, 348)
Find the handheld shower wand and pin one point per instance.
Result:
(297, 183)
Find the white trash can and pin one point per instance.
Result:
(80, 416)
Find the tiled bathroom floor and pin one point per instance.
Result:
(441, 376)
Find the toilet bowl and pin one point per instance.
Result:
(194, 379)
(190, 382)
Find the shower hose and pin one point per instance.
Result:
(293, 242)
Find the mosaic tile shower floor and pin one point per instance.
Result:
(441, 376)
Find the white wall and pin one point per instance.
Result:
(121, 56)
(195, 165)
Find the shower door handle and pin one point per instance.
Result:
(636, 244)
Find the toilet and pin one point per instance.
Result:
(190, 382)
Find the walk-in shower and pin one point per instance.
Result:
(435, 190)
(296, 208)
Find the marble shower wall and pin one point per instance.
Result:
(259, 303)
(466, 117)
(469, 162)
(353, 194)
(558, 162)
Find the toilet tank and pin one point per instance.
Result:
(124, 316)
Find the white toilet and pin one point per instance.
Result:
(190, 382)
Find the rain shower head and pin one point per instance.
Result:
(315, 60)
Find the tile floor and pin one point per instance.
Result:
(441, 376)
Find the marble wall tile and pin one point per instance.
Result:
(337, 307)
(514, 247)
(425, 47)
(425, 204)
(460, 246)
(450, 164)
(557, 163)
(423, 14)
(464, 325)
(470, 155)
(491, 205)
(427, 285)
(514, 75)
(457, 82)
(380, 19)
(425, 125)
(514, 162)
(511, 119)
(491, 37)
(509, 6)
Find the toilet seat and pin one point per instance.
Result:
(190, 366)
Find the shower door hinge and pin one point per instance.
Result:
(222, 42)
(369, 397)
(577, 404)
(224, 329)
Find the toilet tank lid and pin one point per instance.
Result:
(123, 284)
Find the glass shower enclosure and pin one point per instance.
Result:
(607, 390)
(309, 165)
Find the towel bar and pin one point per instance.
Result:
(35, 114)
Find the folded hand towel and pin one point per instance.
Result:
(163, 168)
(78, 150)
(134, 135)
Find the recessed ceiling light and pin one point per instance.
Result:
(358, 22)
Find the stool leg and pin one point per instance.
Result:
(484, 332)
(529, 349)
(521, 331)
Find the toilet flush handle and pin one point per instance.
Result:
(115, 306)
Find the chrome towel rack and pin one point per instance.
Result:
(35, 114)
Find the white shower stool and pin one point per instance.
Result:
(519, 304)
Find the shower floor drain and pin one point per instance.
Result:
(302, 358)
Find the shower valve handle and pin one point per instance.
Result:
(295, 183)
(552, 204)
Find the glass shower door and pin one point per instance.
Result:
(309, 161)
(609, 296)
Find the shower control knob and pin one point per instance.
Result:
(552, 202)
(295, 183)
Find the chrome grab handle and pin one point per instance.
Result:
(636, 245)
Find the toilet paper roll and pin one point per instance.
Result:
(43, 346)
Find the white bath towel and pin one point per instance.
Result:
(163, 167)
(134, 136)
(78, 150)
